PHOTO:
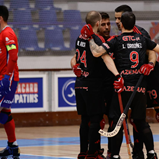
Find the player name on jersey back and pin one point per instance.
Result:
(81, 43)
(130, 46)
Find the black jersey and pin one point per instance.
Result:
(142, 31)
(130, 54)
(92, 67)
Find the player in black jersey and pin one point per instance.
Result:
(151, 86)
(91, 73)
(104, 29)
(130, 58)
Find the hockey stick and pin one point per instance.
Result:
(125, 127)
(123, 115)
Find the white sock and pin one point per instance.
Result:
(116, 156)
(151, 151)
(15, 143)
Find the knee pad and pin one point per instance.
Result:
(141, 124)
(5, 117)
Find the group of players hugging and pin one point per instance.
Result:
(106, 67)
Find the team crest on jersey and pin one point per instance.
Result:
(7, 39)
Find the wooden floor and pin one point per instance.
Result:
(59, 142)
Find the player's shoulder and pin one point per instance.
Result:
(101, 38)
(141, 31)
(112, 37)
(8, 31)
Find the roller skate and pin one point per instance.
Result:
(138, 155)
(82, 155)
(10, 151)
(152, 156)
(100, 154)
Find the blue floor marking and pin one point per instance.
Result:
(42, 157)
(58, 141)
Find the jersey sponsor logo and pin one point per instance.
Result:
(130, 72)
(131, 89)
(8, 101)
(7, 39)
(27, 93)
(85, 74)
(130, 38)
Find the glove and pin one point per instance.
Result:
(118, 83)
(4, 89)
(77, 71)
(157, 114)
(87, 31)
(147, 68)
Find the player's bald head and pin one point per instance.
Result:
(92, 17)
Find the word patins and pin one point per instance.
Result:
(131, 89)
(130, 72)
(26, 93)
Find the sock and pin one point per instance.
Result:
(151, 151)
(10, 131)
(116, 156)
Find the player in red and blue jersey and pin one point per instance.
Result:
(9, 77)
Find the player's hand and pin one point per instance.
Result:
(5, 85)
(147, 68)
(118, 83)
(157, 114)
(87, 31)
(77, 70)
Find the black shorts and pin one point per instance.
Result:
(138, 105)
(89, 97)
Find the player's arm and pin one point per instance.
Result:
(156, 49)
(13, 57)
(110, 64)
(88, 33)
(151, 56)
(119, 81)
(147, 68)
(95, 49)
(76, 66)
(73, 61)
